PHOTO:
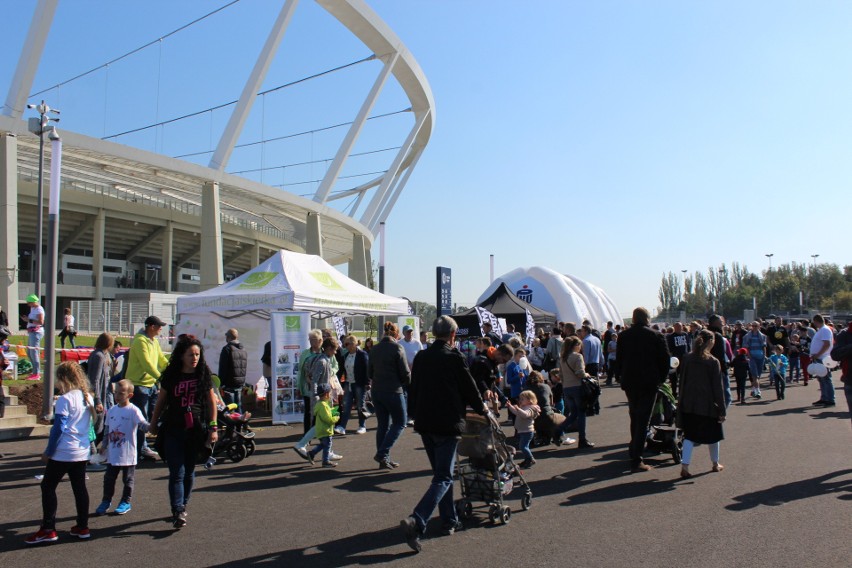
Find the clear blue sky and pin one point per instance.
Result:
(613, 141)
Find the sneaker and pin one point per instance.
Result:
(179, 520)
(339, 431)
(361, 430)
(102, 508)
(303, 453)
(412, 535)
(42, 536)
(123, 508)
(567, 440)
(452, 528)
(410, 423)
(585, 444)
(34, 377)
(335, 457)
(329, 464)
(385, 464)
(82, 533)
(826, 404)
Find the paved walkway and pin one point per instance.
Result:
(783, 500)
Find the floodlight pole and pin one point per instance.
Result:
(52, 264)
(39, 126)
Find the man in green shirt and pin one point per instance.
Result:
(145, 363)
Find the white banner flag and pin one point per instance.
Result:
(487, 317)
(530, 330)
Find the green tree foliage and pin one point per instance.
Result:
(734, 289)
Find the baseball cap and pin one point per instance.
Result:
(154, 320)
(32, 298)
(323, 388)
(407, 328)
(742, 351)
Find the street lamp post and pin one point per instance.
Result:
(39, 126)
(813, 301)
(769, 256)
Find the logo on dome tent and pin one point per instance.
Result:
(326, 280)
(525, 294)
(257, 280)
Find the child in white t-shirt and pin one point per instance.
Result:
(122, 422)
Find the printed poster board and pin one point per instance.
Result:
(289, 335)
(413, 321)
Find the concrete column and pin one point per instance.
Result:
(368, 259)
(168, 262)
(9, 221)
(358, 264)
(314, 235)
(211, 237)
(98, 254)
(255, 254)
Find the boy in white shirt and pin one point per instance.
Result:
(122, 422)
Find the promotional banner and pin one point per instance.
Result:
(289, 339)
(339, 326)
(445, 291)
(530, 330)
(486, 316)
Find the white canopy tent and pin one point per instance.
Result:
(287, 281)
(569, 297)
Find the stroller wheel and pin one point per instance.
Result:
(526, 501)
(494, 513)
(505, 515)
(464, 508)
(251, 446)
(236, 452)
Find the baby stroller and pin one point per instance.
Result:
(663, 434)
(489, 473)
(236, 439)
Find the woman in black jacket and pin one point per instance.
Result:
(388, 372)
(356, 385)
(701, 404)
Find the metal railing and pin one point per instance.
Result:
(117, 317)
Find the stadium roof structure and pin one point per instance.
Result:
(152, 202)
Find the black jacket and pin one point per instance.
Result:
(387, 367)
(642, 359)
(233, 362)
(441, 390)
(360, 377)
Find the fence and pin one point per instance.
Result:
(117, 317)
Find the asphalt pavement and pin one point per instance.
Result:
(782, 500)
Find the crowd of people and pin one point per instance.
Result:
(429, 385)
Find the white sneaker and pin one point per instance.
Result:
(335, 457)
(567, 440)
(361, 430)
(339, 431)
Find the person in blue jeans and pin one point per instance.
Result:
(187, 404)
(388, 371)
(441, 390)
(355, 387)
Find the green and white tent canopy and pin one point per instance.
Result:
(293, 281)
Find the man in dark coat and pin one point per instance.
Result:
(642, 364)
(441, 390)
(233, 362)
(716, 324)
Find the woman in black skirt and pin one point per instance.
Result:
(701, 404)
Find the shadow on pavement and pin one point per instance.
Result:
(830, 414)
(802, 489)
(359, 549)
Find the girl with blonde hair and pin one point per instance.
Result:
(67, 452)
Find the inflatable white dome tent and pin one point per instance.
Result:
(570, 298)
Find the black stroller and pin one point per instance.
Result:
(236, 439)
(490, 472)
(663, 434)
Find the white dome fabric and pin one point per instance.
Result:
(569, 297)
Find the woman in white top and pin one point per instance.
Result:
(68, 330)
(67, 452)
